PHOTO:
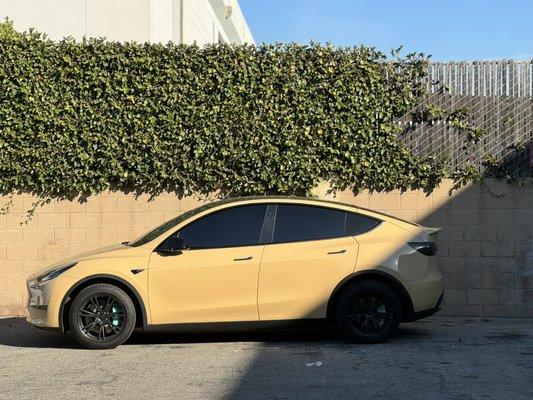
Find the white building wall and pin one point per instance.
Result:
(181, 21)
(204, 26)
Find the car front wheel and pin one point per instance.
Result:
(368, 312)
(102, 316)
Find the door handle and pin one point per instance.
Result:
(243, 258)
(337, 252)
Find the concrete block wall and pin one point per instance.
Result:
(485, 247)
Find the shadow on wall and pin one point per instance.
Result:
(486, 257)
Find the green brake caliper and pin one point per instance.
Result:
(115, 320)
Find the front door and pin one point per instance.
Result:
(215, 278)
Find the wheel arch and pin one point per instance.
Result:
(140, 310)
(395, 284)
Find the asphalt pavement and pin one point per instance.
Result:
(437, 358)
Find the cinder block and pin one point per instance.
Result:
(147, 219)
(437, 218)
(451, 264)
(131, 203)
(464, 217)
(464, 280)
(168, 215)
(17, 205)
(515, 296)
(465, 248)
(524, 216)
(495, 216)
(524, 311)
(497, 280)
(407, 215)
(79, 248)
(30, 267)
(507, 264)
(493, 310)
(481, 264)
(21, 251)
(462, 310)
(361, 200)
(451, 232)
(11, 236)
(482, 296)
(512, 232)
(466, 201)
(38, 236)
(378, 201)
(85, 220)
(101, 235)
(522, 281)
(488, 200)
(102, 203)
(495, 248)
(54, 220)
(52, 251)
(117, 220)
(70, 235)
(393, 201)
(441, 202)
(480, 232)
(21, 220)
(168, 203)
(11, 302)
(127, 234)
(523, 199)
(454, 296)
(68, 206)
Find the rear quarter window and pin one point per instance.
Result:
(357, 224)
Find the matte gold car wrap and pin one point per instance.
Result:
(264, 282)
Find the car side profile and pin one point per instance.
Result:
(247, 263)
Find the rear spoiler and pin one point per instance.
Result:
(431, 230)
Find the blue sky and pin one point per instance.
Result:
(446, 29)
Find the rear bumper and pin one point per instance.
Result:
(426, 313)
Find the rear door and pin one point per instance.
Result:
(309, 255)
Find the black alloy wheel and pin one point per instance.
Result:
(102, 316)
(368, 311)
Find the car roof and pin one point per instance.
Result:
(296, 200)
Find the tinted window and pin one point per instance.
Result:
(296, 223)
(357, 224)
(239, 226)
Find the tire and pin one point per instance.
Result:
(102, 316)
(382, 314)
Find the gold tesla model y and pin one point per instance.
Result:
(247, 263)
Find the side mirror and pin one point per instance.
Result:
(173, 246)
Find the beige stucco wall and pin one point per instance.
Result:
(485, 248)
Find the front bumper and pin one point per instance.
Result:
(44, 300)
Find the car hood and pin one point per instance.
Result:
(114, 250)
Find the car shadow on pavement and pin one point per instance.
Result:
(16, 332)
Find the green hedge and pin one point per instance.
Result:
(79, 118)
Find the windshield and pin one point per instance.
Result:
(161, 229)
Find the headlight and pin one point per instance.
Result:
(54, 273)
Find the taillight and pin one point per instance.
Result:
(426, 248)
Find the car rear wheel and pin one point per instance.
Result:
(368, 312)
(102, 316)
